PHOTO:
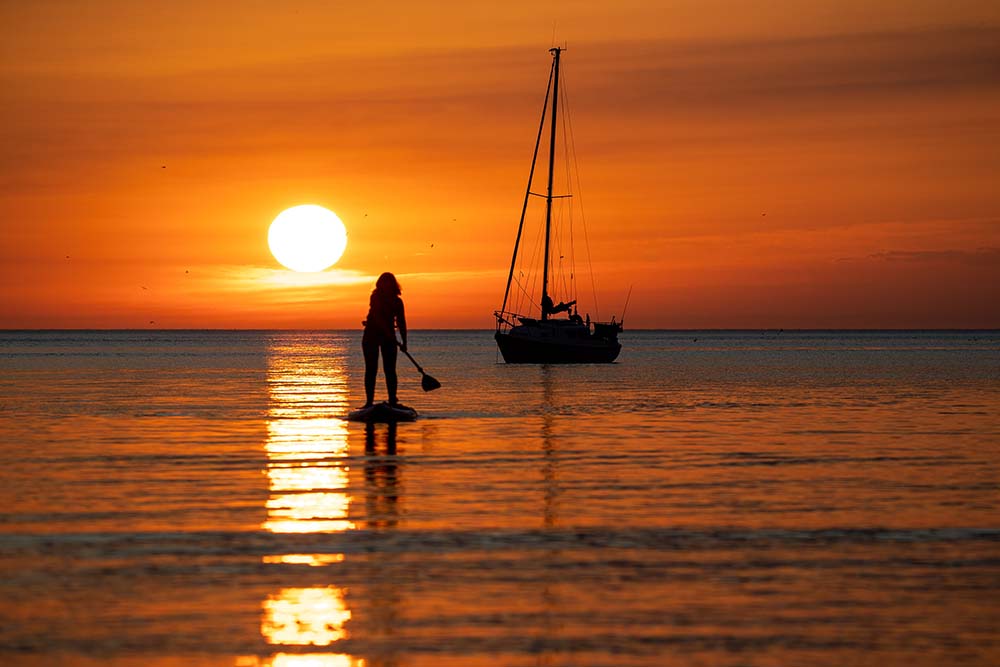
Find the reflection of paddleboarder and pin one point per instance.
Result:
(382, 488)
(385, 313)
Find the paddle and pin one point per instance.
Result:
(427, 383)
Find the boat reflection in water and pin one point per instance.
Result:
(308, 479)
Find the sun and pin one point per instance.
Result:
(307, 238)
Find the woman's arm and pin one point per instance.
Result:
(401, 322)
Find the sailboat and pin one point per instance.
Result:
(550, 337)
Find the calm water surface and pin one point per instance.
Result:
(715, 498)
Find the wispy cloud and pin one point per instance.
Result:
(447, 276)
(292, 287)
(731, 76)
(279, 284)
(376, 104)
(980, 257)
(986, 257)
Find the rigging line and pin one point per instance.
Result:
(554, 248)
(558, 284)
(525, 292)
(532, 274)
(565, 214)
(571, 144)
(527, 259)
(537, 275)
(625, 310)
(566, 217)
(569, 188)
(583, 215)
(527, 269)
(517, 300)
(531, 175)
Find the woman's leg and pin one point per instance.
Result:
(370, 350)
(389, 367)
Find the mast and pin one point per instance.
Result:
(555, 51)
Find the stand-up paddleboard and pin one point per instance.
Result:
(383, 412)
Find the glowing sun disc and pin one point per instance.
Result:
(307, 238)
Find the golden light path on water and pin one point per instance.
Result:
(308, 484)
(306, 617)
(301, 660)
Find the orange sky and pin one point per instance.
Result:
(822, 164)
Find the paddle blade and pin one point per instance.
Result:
(428, 383)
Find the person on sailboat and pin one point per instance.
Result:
(551, 309)
(385, 313)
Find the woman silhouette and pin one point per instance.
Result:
(385, 313)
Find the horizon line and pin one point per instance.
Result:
(478, 329)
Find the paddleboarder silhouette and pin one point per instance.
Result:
(385, 314)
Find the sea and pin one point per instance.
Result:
(778, 498)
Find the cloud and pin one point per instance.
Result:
(370, 102)
(455, 275)
(268, 284)
(837, 68)
(986, 257)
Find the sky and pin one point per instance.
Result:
(743, 165)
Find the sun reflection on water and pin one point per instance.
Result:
(316, 660)
(305, 446)
(309, 487)
(302, 660)
(315, 560)
(305, 617)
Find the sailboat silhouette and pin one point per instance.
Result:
(548, 339)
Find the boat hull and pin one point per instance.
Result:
(521, 349)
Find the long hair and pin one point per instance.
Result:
(387, 285)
